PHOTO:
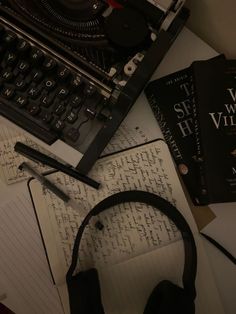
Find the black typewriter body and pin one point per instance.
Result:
(70, 70)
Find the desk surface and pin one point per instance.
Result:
(186, 49)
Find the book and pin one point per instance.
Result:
(214, 108)
(137, 243)
(170, 98)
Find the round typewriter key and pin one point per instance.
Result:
(20, 83)
(63, 72)
(76, 101)
(49, 64)
(73, 134)
(10, 58)
(22, 46)
(21, 101)
(23, 66)
(7, 75)
(76, 81)
(49, 84)
(46, 100)
(89, 90)
(46, 116)
(9, 38)
(36, 55)
(72, 117)
(8, 92)
(33, 109)
(58, 125)
(36, 75)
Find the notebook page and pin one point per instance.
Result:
(129, 230)
(24, 273)
(6, 132)
(127, 286)
(10, 160)
(135, 130)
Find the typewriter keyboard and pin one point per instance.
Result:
(45, 96)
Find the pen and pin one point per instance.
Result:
(45, 182)
(53, 188)
(35, 155)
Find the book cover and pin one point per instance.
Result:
(170, 98)
(214, 107)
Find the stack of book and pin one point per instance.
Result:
(196, 110)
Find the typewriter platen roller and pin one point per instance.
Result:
(115, 45)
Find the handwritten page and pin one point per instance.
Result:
(129, 230)
(6, 132)
(25, 279)
(10, 160)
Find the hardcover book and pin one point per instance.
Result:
(214, 108)
(170, 98)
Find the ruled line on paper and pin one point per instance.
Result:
(10, 160)
(24, 271)
(6, 132)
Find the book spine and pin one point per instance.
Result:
(166, 131)
(202, 197)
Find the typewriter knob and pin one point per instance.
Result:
(126, 28)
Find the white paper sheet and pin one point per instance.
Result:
(25, 278)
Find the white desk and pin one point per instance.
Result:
(223, 230)
(186, 49)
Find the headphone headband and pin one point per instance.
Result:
(190, 261)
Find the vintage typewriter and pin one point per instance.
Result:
(70, 70)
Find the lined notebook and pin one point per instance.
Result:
(26, 285)
(138, 246)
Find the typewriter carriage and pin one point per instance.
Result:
(96, 31)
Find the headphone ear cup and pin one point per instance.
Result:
(167, 298)
(84, 293)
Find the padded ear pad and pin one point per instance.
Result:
(84, 293)
(167, 298)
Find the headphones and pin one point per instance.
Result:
(166, 298)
